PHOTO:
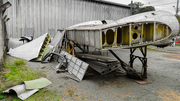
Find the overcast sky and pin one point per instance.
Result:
(166, 5)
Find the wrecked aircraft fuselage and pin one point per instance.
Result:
(151, 28)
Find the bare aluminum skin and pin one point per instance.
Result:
(153, 16)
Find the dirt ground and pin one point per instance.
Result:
(163, 72)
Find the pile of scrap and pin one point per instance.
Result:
(119, 34)
(37, 49)
(40, 49)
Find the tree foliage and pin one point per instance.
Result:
(178, 17)
(146, 9)
(138, 8)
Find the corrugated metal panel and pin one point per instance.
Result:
(41, 15)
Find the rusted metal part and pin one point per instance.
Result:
(142, 59)
(130, 70)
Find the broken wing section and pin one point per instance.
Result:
(138, 30)
(121, 36)
(31, 50)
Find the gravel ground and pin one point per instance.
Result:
(163, 71)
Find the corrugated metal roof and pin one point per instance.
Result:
(109, 3)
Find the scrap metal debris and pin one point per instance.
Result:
(27, 88)
(57, 40)
(72, 64)
(21, 91)
(32, 50)
(37, 84)
(14, 42)
(75, 65)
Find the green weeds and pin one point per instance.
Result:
(17, 72)
(60, 85)
(71, 93)
(45, 95)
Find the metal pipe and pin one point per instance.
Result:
(177, 8)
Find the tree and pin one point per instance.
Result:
(146, 9)
(138, 8)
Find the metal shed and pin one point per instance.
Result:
(36, 17)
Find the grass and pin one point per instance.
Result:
(17, 72)
(46, 95)
(1, 96)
